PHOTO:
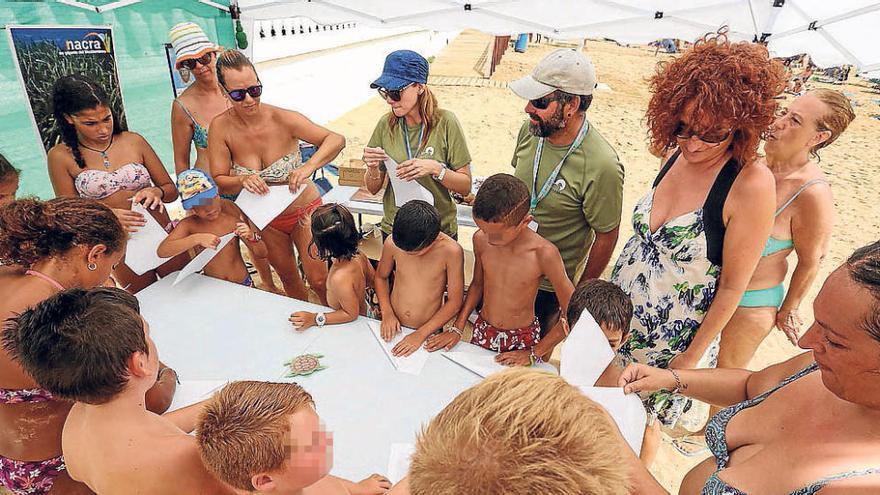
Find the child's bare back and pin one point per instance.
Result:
(350, 275)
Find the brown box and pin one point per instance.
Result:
(353, 173)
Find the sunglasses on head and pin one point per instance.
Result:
(205, 59)
(543, 102)
(394, 94)
(239, 94)
(714, 136)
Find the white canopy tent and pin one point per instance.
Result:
(833, 32)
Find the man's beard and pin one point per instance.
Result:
(546, 128)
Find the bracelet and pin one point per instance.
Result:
(565, 328)
(256, 237)
(679, 386)
(455, 329)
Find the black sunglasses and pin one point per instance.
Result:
(205, 59)
(543, 102)
(394, 94)
(715, 136)
(239, 94)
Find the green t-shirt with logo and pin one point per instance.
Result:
(445, 143)
(586, 197)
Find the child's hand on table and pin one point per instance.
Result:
(376, 484)
(207, 241)
(514, 358)
(302, 320)
(445, 341)
(390, 326)
(408, 345)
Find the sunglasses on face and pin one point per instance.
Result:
(204, 60)
(714, 136)
(543, 102)
(394, 94)
(239, 94)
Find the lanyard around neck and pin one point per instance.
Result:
(539, 150)
(405, 131)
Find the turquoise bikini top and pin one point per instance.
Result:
(200, 132)
(775, 245)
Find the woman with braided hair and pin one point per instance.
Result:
(100, 160)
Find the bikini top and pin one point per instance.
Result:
(278, 171)
(200, 132)
(775, 245)
(716, 440)
(30, 395)
(98, 184)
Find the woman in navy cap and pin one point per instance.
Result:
(426, 142)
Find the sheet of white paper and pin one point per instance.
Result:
(585, 353)
(627, 411)
(191, 391)
(140, 252)
(263, 209)
(411, 364)
(481, 364)
(203, 259)
(406, 191)
(398, 461)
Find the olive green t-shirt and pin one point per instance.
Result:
(445, 143)
(587, 195)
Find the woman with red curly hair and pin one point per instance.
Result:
(699, 231)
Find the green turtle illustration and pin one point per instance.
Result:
(304, 364)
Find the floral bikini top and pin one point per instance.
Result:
(200, 132)
(277, 172)
(98, 184)
(716, 440)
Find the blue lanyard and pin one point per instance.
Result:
(409, 155)
(539, 150)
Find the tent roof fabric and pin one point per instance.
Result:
(833, 32)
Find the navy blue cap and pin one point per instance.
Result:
(402, 67)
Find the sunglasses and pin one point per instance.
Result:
(543, 102)
(714, 136)
(394, 94)
(205, 59)
(239, 94)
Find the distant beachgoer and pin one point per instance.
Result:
(195, 108)
(803, 222)
(427, 267)
(267, 438)
(699, 231)
(350, 278)
(510, 262)
(92, 347)
(99, 160)
(574, 175)
(805, 426)
(51, 245)
(9, 176)
(254, 145)
(212, 218)
(426, 141)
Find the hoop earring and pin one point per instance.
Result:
(92, 267)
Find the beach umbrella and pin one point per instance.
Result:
(833, 32)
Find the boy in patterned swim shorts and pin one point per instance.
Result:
(511, 259)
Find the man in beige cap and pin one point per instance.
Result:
(574, 175)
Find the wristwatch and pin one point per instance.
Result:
(439, 177)
(320, 319)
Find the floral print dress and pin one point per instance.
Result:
(671, 282)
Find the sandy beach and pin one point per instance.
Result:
(491, 117)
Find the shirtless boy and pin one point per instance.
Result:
(92, 347)
(335, 237)
(510, 261)
(212, 218)
(267, 438)
(426, 263)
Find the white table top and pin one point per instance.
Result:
(208, 329)
(343, 194)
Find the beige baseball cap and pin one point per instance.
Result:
(565, 69)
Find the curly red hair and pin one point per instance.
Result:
(726, 83)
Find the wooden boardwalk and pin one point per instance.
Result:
(476, 82)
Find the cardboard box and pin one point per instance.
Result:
(353, 173)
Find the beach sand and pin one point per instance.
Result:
(491, 118)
